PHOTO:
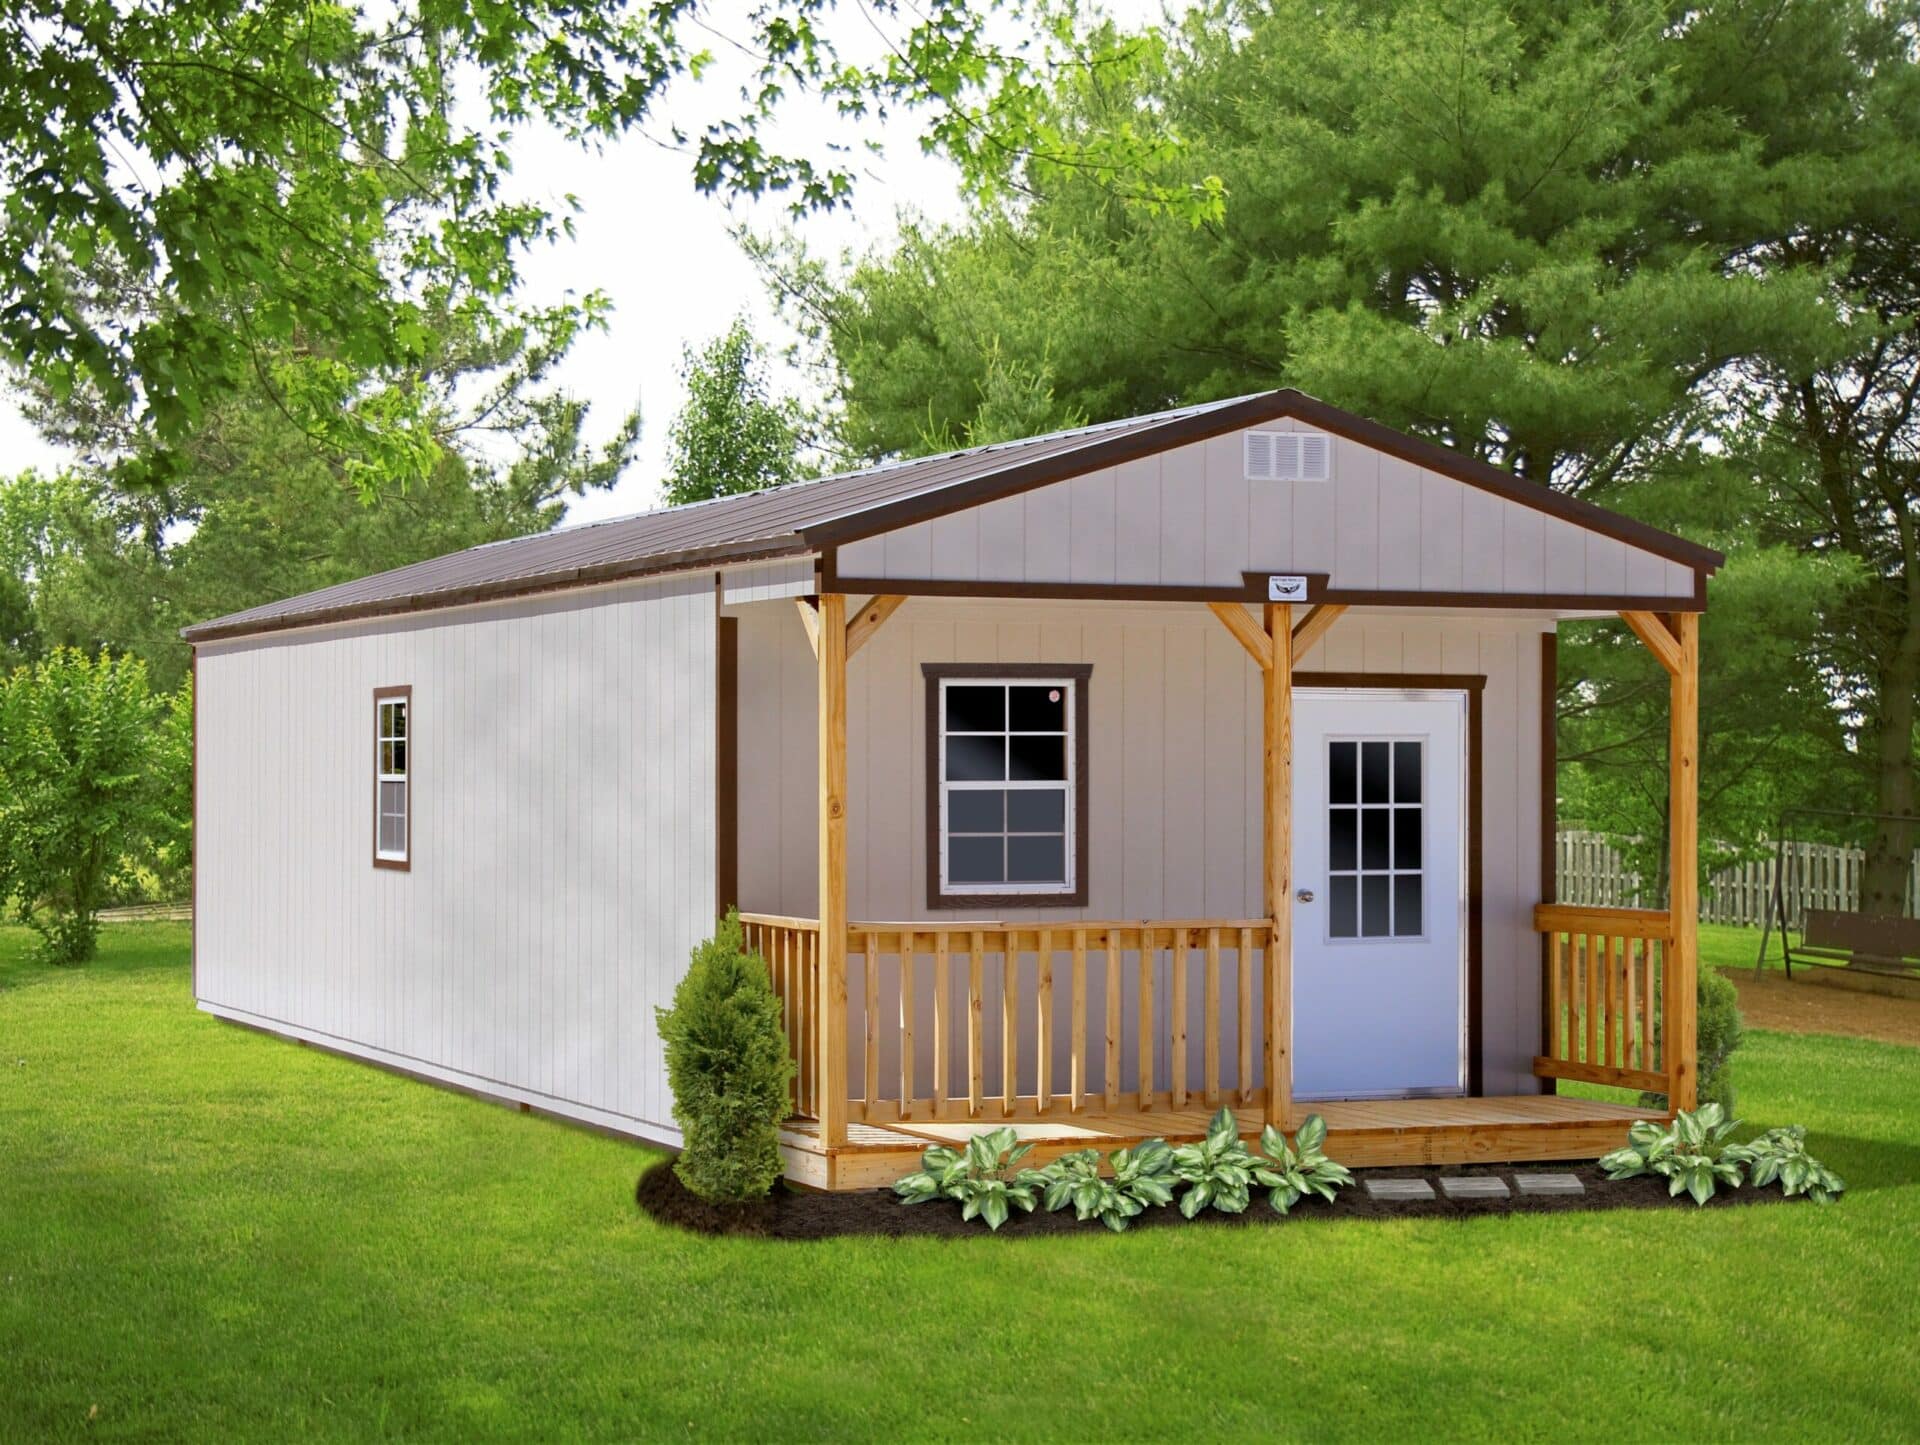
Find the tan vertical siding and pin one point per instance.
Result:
(561, 854)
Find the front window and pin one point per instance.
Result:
(1007, 758)
(1375, 829)
(392, 789)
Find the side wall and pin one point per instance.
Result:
(1174, 764)
(562, 868)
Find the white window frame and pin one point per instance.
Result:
(1069, 789)
(383, 699)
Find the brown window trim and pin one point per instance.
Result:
(385, 694)
(1080, 673)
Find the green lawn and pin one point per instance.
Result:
(209, 1233)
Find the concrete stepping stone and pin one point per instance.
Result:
(1402, 1190)
(1550, 1184)
(1474, 1186)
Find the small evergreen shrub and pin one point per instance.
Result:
(728, 1067)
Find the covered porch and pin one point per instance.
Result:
(1096, 1033)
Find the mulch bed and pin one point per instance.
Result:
(790, 1213)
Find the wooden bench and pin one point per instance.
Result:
(1871, 942)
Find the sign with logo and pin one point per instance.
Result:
(1286, 589)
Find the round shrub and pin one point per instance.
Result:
(728, 1067)
(1717, 1031)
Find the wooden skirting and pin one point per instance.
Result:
(1362, 1133)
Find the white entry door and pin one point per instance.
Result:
(1379, 911)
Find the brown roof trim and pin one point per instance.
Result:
(1268, 406)
(692, 559)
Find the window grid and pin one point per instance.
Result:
(391, 782)
(1375, 837)
(1002, 832)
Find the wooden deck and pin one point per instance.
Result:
(1360, 1132)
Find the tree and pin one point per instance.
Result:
(77, 792)
(1606, 246)
(733, 435)
(253, 511)
(295, 189)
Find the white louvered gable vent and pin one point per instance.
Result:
(1289, 456)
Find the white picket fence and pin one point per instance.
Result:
(1592, 871)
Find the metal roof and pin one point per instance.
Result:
(800, 518)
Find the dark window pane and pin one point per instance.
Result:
(1037, 759)
(1340, 768)
(976, 709)
(1373, 838)
(1037, 859)
(400, 757)
(1406, 772)
(1341, 896)
(1038, 709)
(976, 860)
(1036, 810)
(1406, 905)
(386, 757)
(1373, 905)
(1343, 838)
(976, 760)
(976, 812)
(1406, 838)
(1373, 772)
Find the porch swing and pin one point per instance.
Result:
(1823, 895)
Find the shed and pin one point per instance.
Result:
(1093, 781)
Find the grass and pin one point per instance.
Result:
(207, 1232)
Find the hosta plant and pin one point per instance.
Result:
(1138, 1177)
(1780, 1156)
(1217, 1170)
(1692, 1153)
(983, 1177)
(1290, 1172)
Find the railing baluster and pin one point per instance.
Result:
(1557, 995)
(1146, 1020)
(1078, 1082)
(1593, 1002)
(942, 1025)
(1244, 1022)
(871, 1008)
(976, 1024)
(1043, 1021)
(906, 1023)
(1112, 1079)
(1609, 1052)
(1177, 1007)
(1630, 1005)
(1009, 1022)
(1210, 1016)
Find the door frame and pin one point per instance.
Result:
(1474, 685)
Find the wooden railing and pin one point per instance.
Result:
(1068, 1012)
(1606, 972)
(791, 947)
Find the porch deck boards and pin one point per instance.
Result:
(1360, 1132)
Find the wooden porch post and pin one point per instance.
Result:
(832, 659)
(1278, 838)
(1683, 892)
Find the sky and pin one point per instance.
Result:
(664, 255)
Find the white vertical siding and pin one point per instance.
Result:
(1189, 517)
(1174, 766)
(562, 851)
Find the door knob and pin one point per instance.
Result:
(1305, 895)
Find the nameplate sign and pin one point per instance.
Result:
(1286, 589)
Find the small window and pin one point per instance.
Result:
(1376, 825)
(392, 782)
(1289, 456)
(1006, 763)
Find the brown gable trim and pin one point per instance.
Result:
(1268, 406)
(1254, 589)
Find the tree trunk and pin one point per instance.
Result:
(1883, 884)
